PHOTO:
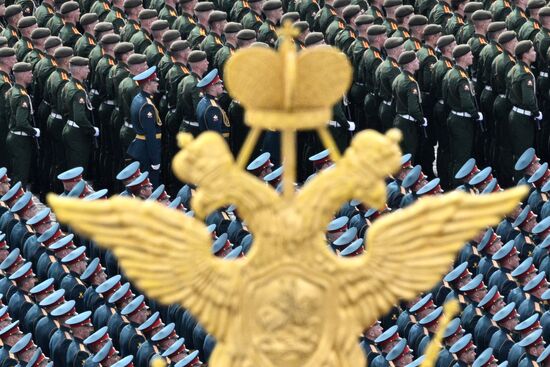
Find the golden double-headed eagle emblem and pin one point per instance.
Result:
(291, 302)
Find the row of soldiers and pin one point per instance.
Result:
(71, 310)
(458, 78)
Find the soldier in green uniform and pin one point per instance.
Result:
(38, 39)
(55, 23)
(101, 8)
(487, 96)
(213, 41)
(500, 9)
(529, 29)
(142, 38)
(390, 7)
(346, 36)
(155, 51)
(355, 53)
(521, 91)
(116, 16)
(185, 22)
(337, 24)
(188, 95)
(101, 75)
(481, 20)
(41, 73)
(117, 74)
(517, 17)
(165, 63)
(69, 34)
(467, 30)
(273, 11)
(132, 8)
(456, 21)
(409, 117)
(542, 44)
(445, 44)
(127, 90)
(24, 45)
(180, 52)
(307, 9)
(79, 131)
(499, 69)
(12, 16)
(240, 8)
(44, 12)
(403, 14)
(200, 30)
(168, 12)
(87, 40)
(56, 121)
(7, 60)
(427, 58)
(324, 16)
(230, 31)
(417, 23)
(423, 7)
(20, 143)
(101, 29)
(372, 57)
(458, 94)
(384, 76)
(441, 13)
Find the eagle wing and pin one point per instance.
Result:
(166, 253)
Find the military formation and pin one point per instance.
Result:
(94, 93)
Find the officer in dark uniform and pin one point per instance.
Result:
(534, 347)
(80, 327)
(25, 208)
(37, 293)
(41, 222)
(503, 339)
(93, 276)
(508, 260)
(134, 314)
(105, 311)
(210, 115)
(120, 299)
(158, 343)
(106, 356)
(146, 121)
(60, 339)
(178, 353)
(74, 287)
(484, 328)
(464, 351)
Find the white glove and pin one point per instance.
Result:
(96, 133)
(155, 167)
(351, 126)
(479, 116)
(37, 132)
(425, 122)
(539, 116)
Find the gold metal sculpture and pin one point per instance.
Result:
(290, 302)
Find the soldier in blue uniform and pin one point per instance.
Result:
(95, 342)
(484, 328)
(464, 351)
(534, 347)
(74, 287)
(127, 175)
(158, 343)
(209, 113)
(134, 314)
(24, 349)
(106, 356)
(508, 259)
(80, 327)
(417, 311)
(104, 312)
(533, 293)
(421, 333)
(7, 220)
(25, 208)
(120, 299)
(20, 302)
(38, 293)
(60, 338)
(93, 276)
(146, 147)
(178, 352)
(452, 334)
(9, 266)
(475, 290)
(401, 354)
(503, 340)
(485, 359)
(69, 179)
(523, 275)
(487, 247)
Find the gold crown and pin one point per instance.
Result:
(288, 90)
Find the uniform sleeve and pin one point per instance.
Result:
(80, 113)
(413, 102)
(528, 95)
(466, 97)
(213, 119)
(149, 125)
(23, 116)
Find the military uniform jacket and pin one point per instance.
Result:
(345, 38)
(78, 106)
(43, 13)
(169, 14)
(117, 17)
(84, 45)
(33, 57)
(402, 32)
(196, 35)
(55, 23)
(141, 40)
(154, 52)
(127, 90)
(32, 316)
(477, 43)
(22, 47)
(211, 116)
(69, 35)
(101, 8)
(334, 28)
(185, 24)
(20, 110)
(266, 33)
(116, 75)
(54, 86)
(520, 87)
(356, 51)
(427, 59)
(177, 72)
(370, 61)
(515, 19)
(440, 13)
(407, 96)
(465, 32)
(147, 125)
(11, 34)
(307, 9)
(529, 30)
(485, 61)
(453, 25)
(76, 353)
(5, 84)
(324, 17)
(101, 75)
(391, 25)
(188, 97)
(131, 28)
(412, 44)
(499, 70)
(500, 9)
(41, 73)
(239, 9)
(384, 76)
(376, 13)
(458, 91)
